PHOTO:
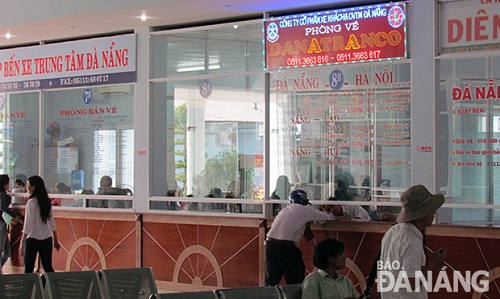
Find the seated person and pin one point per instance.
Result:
(105, 189)
(283, 188)
(343, 181)
(90, 202)
(60, 188)
(329, 258)
(215, 193)
(344, 212)
(233, 191)
(344, 191)
(19, 187)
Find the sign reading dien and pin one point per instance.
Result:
(368, 33)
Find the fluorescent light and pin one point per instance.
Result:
(198, 68)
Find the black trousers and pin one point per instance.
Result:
(34, 246)
(283, 259)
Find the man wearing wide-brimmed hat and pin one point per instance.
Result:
(402, 245)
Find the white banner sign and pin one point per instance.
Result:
(470, 25)
(98, 61)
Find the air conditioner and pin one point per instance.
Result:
(114, 90)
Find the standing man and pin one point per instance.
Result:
(283, 257)
(403, 243)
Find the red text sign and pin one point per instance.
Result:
(349, 35)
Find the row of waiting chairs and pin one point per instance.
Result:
(267, 292)
(135, 283)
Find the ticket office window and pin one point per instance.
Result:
(87, 139)
(19, 127)
(351, 141)
(469, 136)
(208, 115)
(209, 136)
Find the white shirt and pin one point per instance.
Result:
(290, 223)
(356, 212)
(34, 227)
(403, 244)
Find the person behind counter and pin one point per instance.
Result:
(105, 189)
(283, 257)
(347, 212)
(39, 232)
(60, 188)
(18, 187)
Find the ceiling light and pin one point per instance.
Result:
(235, 26)
(197, 68)
(144, 17)
(8, 35)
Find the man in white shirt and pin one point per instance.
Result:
(403, 248)
(347, 212)
(283, 257)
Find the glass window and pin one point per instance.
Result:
(208, 126)
(86, 140)
(19, 118)
(210, 50)
(209, 135)
(469, 134)
(342, 131)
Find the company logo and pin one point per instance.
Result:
(391, 277)
(396, 17)
(272, 32)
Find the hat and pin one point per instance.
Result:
(417, 202)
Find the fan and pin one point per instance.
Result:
(54, 130)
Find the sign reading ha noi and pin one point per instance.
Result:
(358, 34)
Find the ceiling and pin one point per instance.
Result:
(33, 21)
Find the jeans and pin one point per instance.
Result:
(44, 248)
(4, 244)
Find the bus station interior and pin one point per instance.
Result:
(206, 117)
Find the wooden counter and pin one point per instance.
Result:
(191, 252)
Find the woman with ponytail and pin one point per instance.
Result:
(39, 233)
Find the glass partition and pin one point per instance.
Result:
(208, 117)
(211, 147)
(89, 144)
(341, 132)
(469, 134)
(19, 118)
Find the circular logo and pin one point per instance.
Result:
(396, 17)
(205, 89)
(336, 79)
(87, 96)
(272, 32)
